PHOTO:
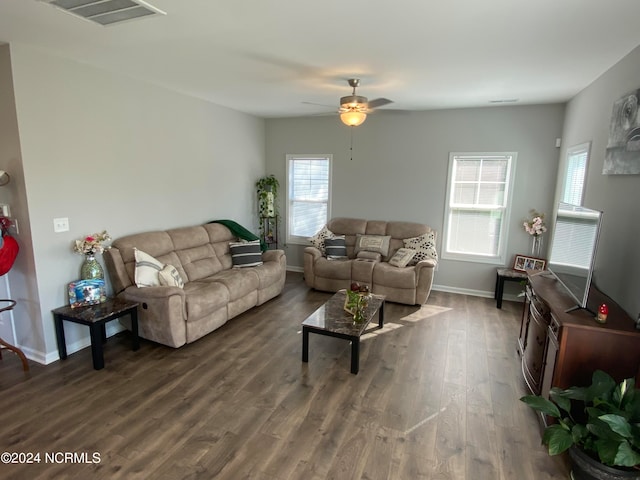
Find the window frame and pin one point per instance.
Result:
(574, 151)
(297, 239)
(500, 257)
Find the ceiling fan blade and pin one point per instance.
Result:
(378, 102)
(319, 104)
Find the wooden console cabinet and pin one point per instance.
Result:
(563, 349)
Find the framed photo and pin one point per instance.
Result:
(523, 263)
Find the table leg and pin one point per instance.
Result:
(355, 355)
(62, 345)
(96, 346)
(134, 329)
(381, 315)
(305, 344)
(499, 292)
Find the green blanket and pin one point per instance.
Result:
(241, 232)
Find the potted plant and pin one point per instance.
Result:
(267, 191)
(599, 425)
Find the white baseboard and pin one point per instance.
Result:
(475, 293)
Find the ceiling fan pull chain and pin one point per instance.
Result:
(351, 145)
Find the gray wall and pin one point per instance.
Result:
(110, 152)
(587, 119)
(399, 170)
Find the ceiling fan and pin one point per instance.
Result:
(354, 108)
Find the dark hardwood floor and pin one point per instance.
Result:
(436, 398)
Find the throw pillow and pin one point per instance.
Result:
(170, 277)
(318, 239)
(402, 257)
(373, 243)
(336, 248)
(245, 254)
(424, 245)
(147, 269)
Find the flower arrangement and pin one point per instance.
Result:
(92, 244)
(536, 225)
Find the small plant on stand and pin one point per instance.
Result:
(267, 192)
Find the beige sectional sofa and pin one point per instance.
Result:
(213, 292)
(410, 284)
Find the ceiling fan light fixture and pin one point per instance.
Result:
(353, 118)
(353, 101)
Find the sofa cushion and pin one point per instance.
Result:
(373, 243)
(318, 239)
(390, 276)
(246, 254)
(170, 277)
(202, 298)
(402, 257)
(336, 247)
(147, 269)
(424, 245)
(239, 282)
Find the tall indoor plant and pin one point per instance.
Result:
(599, 425)
(267, 192)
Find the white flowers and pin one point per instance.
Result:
(536, 225)
(91, 244)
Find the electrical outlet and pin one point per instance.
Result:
(5, 211)
(60, 224)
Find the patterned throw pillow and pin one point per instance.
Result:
(170, 277)
(336, 247)
(424, 245)
(245, 254)
(402, 257)
(373, 243)
(318, 239)
(147, 269)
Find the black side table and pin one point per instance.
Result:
(502, 275)
(95, 317)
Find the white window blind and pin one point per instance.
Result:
(575, 174)
(308, 194)
(477, 206)
(574, 237)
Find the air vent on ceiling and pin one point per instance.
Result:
(107, 12)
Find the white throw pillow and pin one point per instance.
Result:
(318, 239)
(170, 277)
(147, 269)
(424, 245)
(402, 257)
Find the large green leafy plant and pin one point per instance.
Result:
(603, 420)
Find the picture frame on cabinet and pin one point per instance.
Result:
(522, 263)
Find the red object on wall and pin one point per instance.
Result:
(8, 253)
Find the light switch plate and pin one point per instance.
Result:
(60, 225)
(4, 210)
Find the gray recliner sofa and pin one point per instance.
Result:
(409, 285)
(213, 291)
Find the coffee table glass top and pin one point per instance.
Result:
(333, 318)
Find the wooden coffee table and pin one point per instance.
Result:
(333, 321)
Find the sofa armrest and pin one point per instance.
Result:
(313, 251)
(148, 293)
(311, 255)
(425, 270)
(272, 255)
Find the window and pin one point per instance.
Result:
(575, 174)
(477, 206)
(308, 195)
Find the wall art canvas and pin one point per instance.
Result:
(623, 150)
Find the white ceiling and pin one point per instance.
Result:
(267, 57)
